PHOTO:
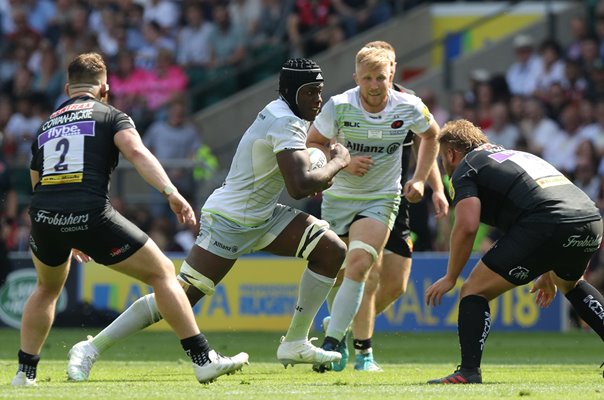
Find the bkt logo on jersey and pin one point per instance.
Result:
(348, 124)
(85, 128)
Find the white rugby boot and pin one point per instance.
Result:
(304, 352)
(81, 358)
(219, 365)
(21, 379)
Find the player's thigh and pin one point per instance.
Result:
(208, 264)
(485, 282)
(148, 264)
(309, 238)
(395, 272)
(369, 231)
(51, 278)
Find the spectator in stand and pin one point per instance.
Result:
(557, 99)
(8, 212)
(590, 52)
(312, 27)
(21, 129)
(164, 83)
(165, 12)
(431, 101)
(552, 66)
(457, 104)
(561, 150)
(22, 33)
(523, 74)
(228, 42)
(575, 84)
(578, 30)
(536, 128)
(135, 39)
(64, 10)
(246, 14)
(585, 175)
(359, 15)
(127, 82)
(111, 32)
(49, 79)
(193, 44)
(39, 14)
(595, 88)
(484, 104)
(268, 32)
(594, 131)
(173, 141)
(154, 40)
(516, 108)
(228, 51)
(6, 111)
(502, 132)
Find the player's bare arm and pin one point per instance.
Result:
(428, 150)
(129, 142)
(300, 181)
(467, 220)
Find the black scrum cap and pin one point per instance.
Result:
(296, 73)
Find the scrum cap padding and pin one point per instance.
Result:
(296, 73)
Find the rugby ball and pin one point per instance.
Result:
(317, 158)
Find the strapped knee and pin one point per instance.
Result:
(357, 244)
(312, 234)
(188, 276)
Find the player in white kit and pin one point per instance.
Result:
(244, 216)
(372, 120)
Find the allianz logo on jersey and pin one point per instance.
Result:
(363, 148)
(85, 128)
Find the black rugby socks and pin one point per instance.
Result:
(197, 347)
(473, 326)
(588, 302)
(28, 363)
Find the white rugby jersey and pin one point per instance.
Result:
(379, 135)
(254, 182)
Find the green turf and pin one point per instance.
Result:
(152, 366)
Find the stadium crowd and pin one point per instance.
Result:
(549, 100)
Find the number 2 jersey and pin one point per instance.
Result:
(74, 153)
(514, 185)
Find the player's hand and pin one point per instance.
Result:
(440, 203)
(359, 165)
(413, 191)
(80, 256)
(341, 152)
(546, 290)
(182, 209)
(434, 294)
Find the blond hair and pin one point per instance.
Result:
(462, 135)
(373, 57)
(381, 44)
(87, 69)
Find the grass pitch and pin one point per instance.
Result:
(152, 365)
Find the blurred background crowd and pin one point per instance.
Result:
(171, 58)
